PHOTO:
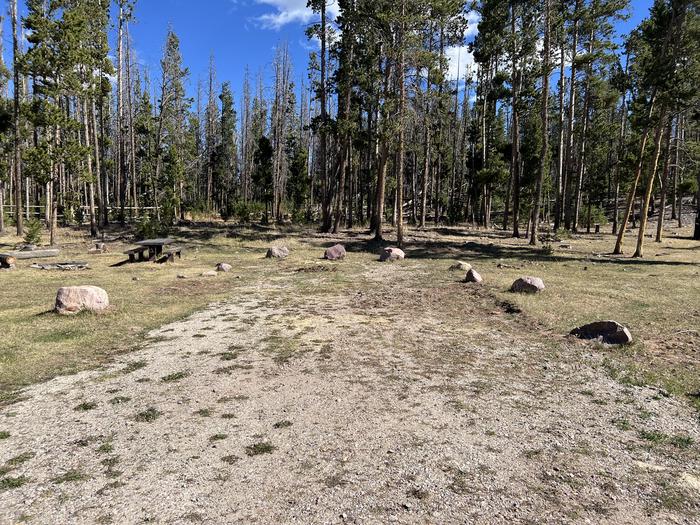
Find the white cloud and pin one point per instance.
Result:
(290, 11)
(472, 24)
(460, 60)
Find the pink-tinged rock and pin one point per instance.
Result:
(335, 253)
(224, 267)
(277, 252)
(73, 299)
(528, 285)
(392, 254)
(473, 277)
(609, 332)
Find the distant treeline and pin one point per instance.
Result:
(554, 118)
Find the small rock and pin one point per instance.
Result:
(277, 252)
(136, 278)
(392, 254)
(609, 332)
(180, 276)
(527, 285)
(73, 299)
(335, 253)
(473, 277)
(210, 273)
(224, 267)
(460, 266)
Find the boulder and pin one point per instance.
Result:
(609, 332)
(224, 267)
(210, 273)
(460, 266)
(335, 253)
(392, 254)
(527, 285)
(473, 276)
(73, 299)
(277, 252)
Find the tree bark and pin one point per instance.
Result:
(638, 172)
(644, 209)
(544, 153)
(664, 183)
(17, 136)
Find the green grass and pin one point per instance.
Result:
(9, 483)
(4, 434)
(176, 376)
(72, 476)
(148, 416)
(84, 407)
(259, 448)
(581, 287)
(653, 436)
(282, 424)
(218, 437)
(19, 460)
(38, 344)
(681, 441)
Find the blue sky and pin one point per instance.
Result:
(239, 33)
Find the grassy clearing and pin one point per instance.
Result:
(38, 344)
(656, 297)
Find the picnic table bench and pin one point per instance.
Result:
(160, 250)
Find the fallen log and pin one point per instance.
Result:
(35, 254)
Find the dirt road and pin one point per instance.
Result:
(386, 399)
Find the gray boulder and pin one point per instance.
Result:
(473, 277)
(335, 253)
(392, 254)
(609, 332)
(224, 267)
(460, 266)
(74, 299)
(277, 252)
(528, 285)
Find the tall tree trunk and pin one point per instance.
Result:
(91, 184)
(345, 161)
(544, 152)
(515, 131)
(17, 136)
(132, 138)
(558, 186)
(664, 182)
(327, 194)
(570, 157)
(402, 102)
(638, 172)
(644, 209)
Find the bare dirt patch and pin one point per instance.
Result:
(375, 393)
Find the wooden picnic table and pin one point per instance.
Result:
(155, 246)
(160, 250)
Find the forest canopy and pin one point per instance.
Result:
(560, 123)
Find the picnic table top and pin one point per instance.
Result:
(156, 242)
